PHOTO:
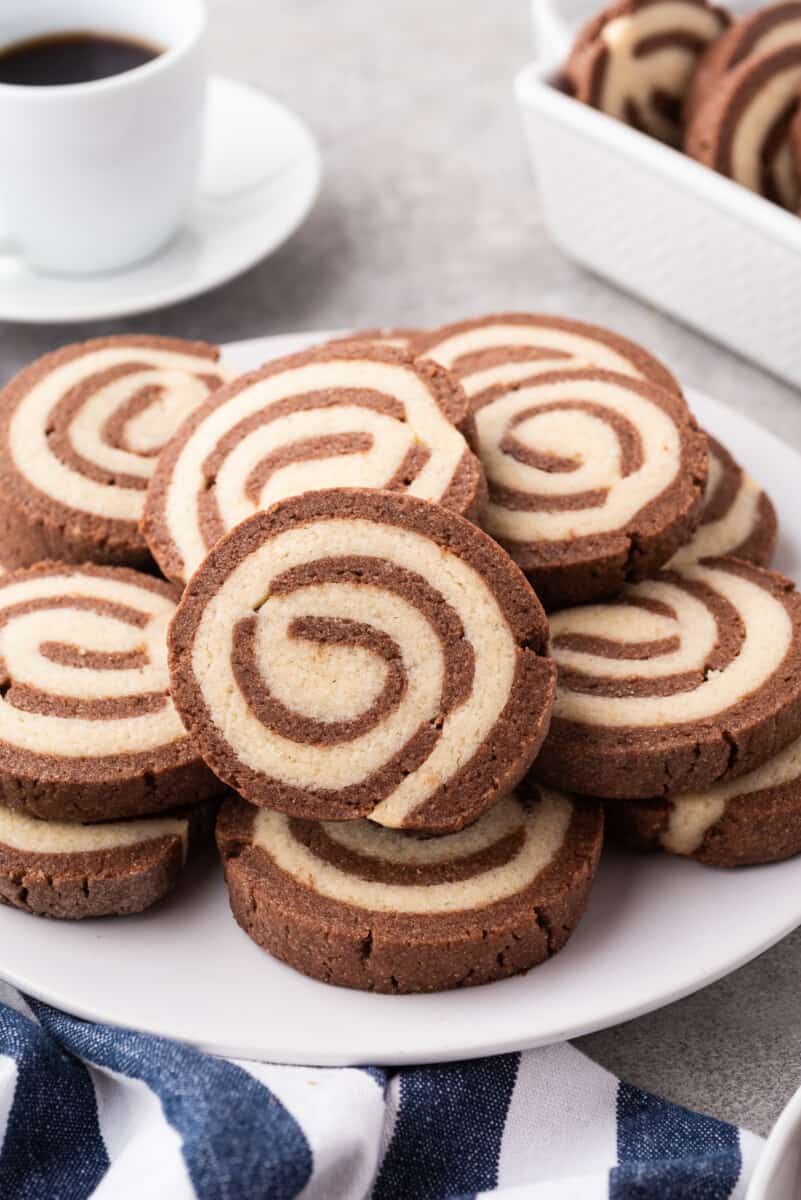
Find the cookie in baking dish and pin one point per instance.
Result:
(636, 59)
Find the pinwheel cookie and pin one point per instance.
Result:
(359, 653)
(508, 347)
(692, 678)
(753, 819)
(364, 907)
(88, 731)
(68, 870)
(80, 430)
(743, 128)
(635, 60)
(594, 478)
(738, 518)
(356, 416)
(761, 32)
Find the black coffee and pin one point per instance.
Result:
(59, 58)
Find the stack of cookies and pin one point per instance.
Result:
(366, 670)
(363, 541)
(678, 700)
(727, 91)
(102, 792)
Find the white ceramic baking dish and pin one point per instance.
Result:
(682, 237)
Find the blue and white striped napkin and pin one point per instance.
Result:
(90, 1111)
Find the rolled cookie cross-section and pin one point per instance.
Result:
(67, 870)
(88, 731)
(636, 59)
(353, 653)
(769, 28)
(743, 129)
(80, 430)
(753, 819)
(509, 347)
(738, 518)
(594, 478)
(378, 909)
(355, 416)
(693, 678)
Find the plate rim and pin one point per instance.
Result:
(401, 1056)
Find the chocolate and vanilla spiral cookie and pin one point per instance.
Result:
(387, 911)
(338, 416)
(357, 653)
(753, 819)
(744, 128)
(692, 678)
(67, 870)
(738, 520)
(769, 28)
(594, 478)
(636, 59)
(80, 430)
(88, 731)
(509, 347)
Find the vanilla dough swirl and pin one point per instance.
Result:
(353, 653)
(384, 870)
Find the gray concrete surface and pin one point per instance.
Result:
(428, 213)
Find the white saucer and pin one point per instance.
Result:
(656, 929)
(260, 177)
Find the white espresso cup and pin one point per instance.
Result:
(96, 176)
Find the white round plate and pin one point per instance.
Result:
(778, 1172)
(260, 177)
(657, 928)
